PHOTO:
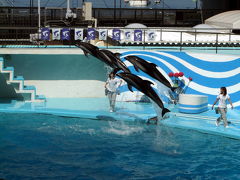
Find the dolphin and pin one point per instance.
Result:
(148, 68)
(94, 51)
(116, 60)
(103, 56)
(144, 86)
(88, 48)
(115, 70)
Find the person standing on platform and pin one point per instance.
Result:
(222, 106)
(111, 89)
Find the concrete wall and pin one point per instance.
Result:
(54, 75)
(71, 74)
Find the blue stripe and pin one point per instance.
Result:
(193, 111)
(200, 79)
(211, 66)
(193, 106)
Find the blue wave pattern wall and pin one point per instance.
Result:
(208, 71)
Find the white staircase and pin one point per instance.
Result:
(28, 92)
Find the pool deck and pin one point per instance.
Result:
(97, 108)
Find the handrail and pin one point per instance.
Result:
(179, 37)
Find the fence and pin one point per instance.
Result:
(177, 37)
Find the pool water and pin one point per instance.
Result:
(41, 146)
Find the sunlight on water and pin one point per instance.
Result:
(121, 128)
(164, 141)
(39, 146)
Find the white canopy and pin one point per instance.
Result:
(229, 19)
(136, 26)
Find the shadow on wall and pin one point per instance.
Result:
(57, 67)
(7, 91)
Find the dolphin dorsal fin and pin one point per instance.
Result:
(152, 64)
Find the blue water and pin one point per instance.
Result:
(40, 146)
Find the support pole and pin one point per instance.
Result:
(39, 21)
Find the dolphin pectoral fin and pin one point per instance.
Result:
(115, 70)
(136, 68)
(86, 54)
(84, 51)
(164, 111)
(130, 87)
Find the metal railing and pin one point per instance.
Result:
(165, 37)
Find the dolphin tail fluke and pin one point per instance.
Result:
(164, 111)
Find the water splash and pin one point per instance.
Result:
(121, 128)
(165, 142)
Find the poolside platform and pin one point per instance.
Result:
(97, 109)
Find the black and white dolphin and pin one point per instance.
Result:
(144, 86)
(148, 68)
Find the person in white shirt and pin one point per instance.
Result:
(222, 106)
(111, 87)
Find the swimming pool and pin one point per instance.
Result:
(52, 147)
(73, 136)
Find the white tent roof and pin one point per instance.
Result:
(229, 19)
(135, 25)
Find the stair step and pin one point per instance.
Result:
(17, 82)
(18, 78)
(28, 92)
(29, 88)
(8, 69)
(40, 97)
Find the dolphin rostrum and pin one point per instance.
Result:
(148, 68)
(144, 86)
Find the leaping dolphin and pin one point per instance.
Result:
(116, 60)
(144, 86)
(88, 48)
(104, 55)
(148, 68)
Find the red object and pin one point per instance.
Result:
(190, 79)
(176, 75)
(170, 74)
(181, 74)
